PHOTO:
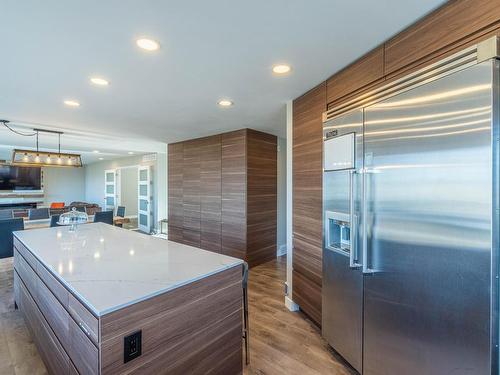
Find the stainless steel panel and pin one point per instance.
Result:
(429, 210)
(494, 298)
(342, 315)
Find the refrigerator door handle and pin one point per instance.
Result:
(353, 251)
(366, 258)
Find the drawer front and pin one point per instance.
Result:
(30, 258)
(25, 271)
(88, 323)
(82, 351)
(54, 313)
(56, 360)
(53, 284)
(17, 289)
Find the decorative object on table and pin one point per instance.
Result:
(73, 218)
(42, 158)
(38, 214)
(8, 226)
(104, 217)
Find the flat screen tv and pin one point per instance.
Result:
(20, 178)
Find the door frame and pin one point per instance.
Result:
(119, 186)
(144, 197)
(109, 195)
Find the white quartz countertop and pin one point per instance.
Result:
(109, 268)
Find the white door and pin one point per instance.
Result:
(109, 189)
(144, 199)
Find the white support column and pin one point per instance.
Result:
(292, 306)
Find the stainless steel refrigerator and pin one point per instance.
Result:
(411, 207)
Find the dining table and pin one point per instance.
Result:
(45, 223)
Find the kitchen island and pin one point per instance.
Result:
(104, 300)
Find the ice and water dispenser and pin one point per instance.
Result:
(339, 155)
(338, 231)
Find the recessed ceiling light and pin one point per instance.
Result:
(281, 69)
(147, 44)
(72, 103)
(101, 158)
(99, 81)
(95, 151)
(225, 103)
(130, 153)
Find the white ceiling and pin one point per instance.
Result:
(107, 147)
(209, 50)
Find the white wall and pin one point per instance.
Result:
(281, 230)
(63, 185)
(129, 190)
(94, 181)
(94, 176)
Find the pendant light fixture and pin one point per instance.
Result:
(43, 158)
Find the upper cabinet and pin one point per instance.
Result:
(364, 72)
(454, 25)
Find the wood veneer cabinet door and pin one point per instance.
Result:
(261, 197)
(364, 72)
(211, 193)
(55, 358)
(449, 25)
(193, 329)
(191, 192)
(307, 199)
(228, 194)
(234, 193)
(175, 178)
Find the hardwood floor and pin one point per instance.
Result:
(18, 354)
(281, 342)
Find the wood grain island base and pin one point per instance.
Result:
(86, 317)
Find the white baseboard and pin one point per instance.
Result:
(281, 250)
(290, 305)
(161, 235)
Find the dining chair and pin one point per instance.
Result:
(7, 226)
(104, 217)
(6, 214)
(120, 211)
(53, 220)
(38, 213)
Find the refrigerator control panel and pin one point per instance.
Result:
(338, 152)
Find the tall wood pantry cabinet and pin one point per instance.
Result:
(222, 194)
